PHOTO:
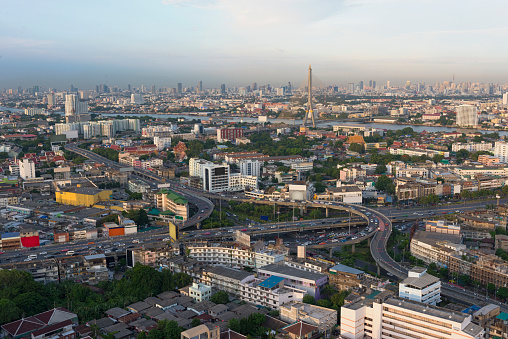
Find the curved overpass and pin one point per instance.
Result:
(205, 206)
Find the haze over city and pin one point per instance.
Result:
(164, 42)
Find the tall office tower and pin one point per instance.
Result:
(36, 89)
(179, 88)
(153, 89)
(360, 85)
(310, 111)
(215, 177)
(51, 100)
(75, 110)
(373, 84)
(388, 84)
(255, 86)
(97, 88)
(467, 115)
(129, 87)
(351, 87)
(501, 151)
(505, 98)
(222, 89)
(408, 84)
(143, 89)
(370, 83)
(200, 87)
(290, 88)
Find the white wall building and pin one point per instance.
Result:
(501, 151)
(161, 142)
(421, 286)
(467, 115)
(200, 292)
(26, 169)
(473, 146)
(238, 182)
(400, 318)
(215, 177)
(250, 167)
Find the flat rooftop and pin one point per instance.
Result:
(434, 311)
(280, 270)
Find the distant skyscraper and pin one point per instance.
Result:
(505, 99)
(223, 89)
(370, 83)
(408, 84)
(75, 110)
(200, 87)
(129, 87)
(179, 88)
(51, 100)
(467, 115)
(351, 87)
(374, 84)
(388, 84)
(153, 89)
(360, 85)
(255, 86)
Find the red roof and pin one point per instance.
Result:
(300, 329)
(30, 324)
(52, 328)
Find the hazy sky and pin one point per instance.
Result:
(57, 43)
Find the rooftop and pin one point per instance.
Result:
(271, 282)
(345, 269)
(424, 281)
(276, 269)
(231, 273)
(434, 311)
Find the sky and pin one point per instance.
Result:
(58, 43)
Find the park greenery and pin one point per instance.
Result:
(331, 298)
(21, 296)
(220, 297)
(250, 326)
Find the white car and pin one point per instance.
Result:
(42, 253)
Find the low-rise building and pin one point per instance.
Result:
(398, 318)
(206, 331)
(166, 200)
(324, 318)
(421, 286)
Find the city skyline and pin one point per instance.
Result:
(164, 42)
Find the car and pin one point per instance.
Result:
(42, 253)
(165, 239)
(207, 233)
(243, 230)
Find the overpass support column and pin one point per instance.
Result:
(327, 211)
(302, 210)
(378, 269)
(368, 241)
(353, 248)
(331, 252)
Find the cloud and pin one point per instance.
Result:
(13, 42)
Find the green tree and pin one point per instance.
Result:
(502, 293)
(308, 299)
(355, 147)
(8, 311)
(380, 169)
(220, 297)
(382, 182)
(195, 322)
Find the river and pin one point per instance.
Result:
(393, 127)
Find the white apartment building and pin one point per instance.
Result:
(235, 256)
(250, 167)
(14, 170)
(138, 186)
(137, 99)
(501, 151)
(162, 142)
(473, 146)
(400, 318)
(34, 111)
(238, 182)
(200, 292)
(152, 131)
(418, 152)
(421, 286)
(467, 115)
(26, 169)
(269, 292)
(151, 163)
(412, 172)
(74, 108)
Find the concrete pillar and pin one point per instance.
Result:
(368, 241)
(331, 252)
(302, 210)
(327, 211)
(378, 269)
(353, 248)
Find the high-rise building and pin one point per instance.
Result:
(360, 85)
(75, 110)
(162, 142)
(179, 88)
(501, 151)
(351, 87)
(129, 87)
(250, 167)
(153, 89)
(388, 84)
(222, 89)
(200, 87)
(467, 115)
(51, 100)
(26, 169)
(505, 98)
(215, 177)
(136, 99)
